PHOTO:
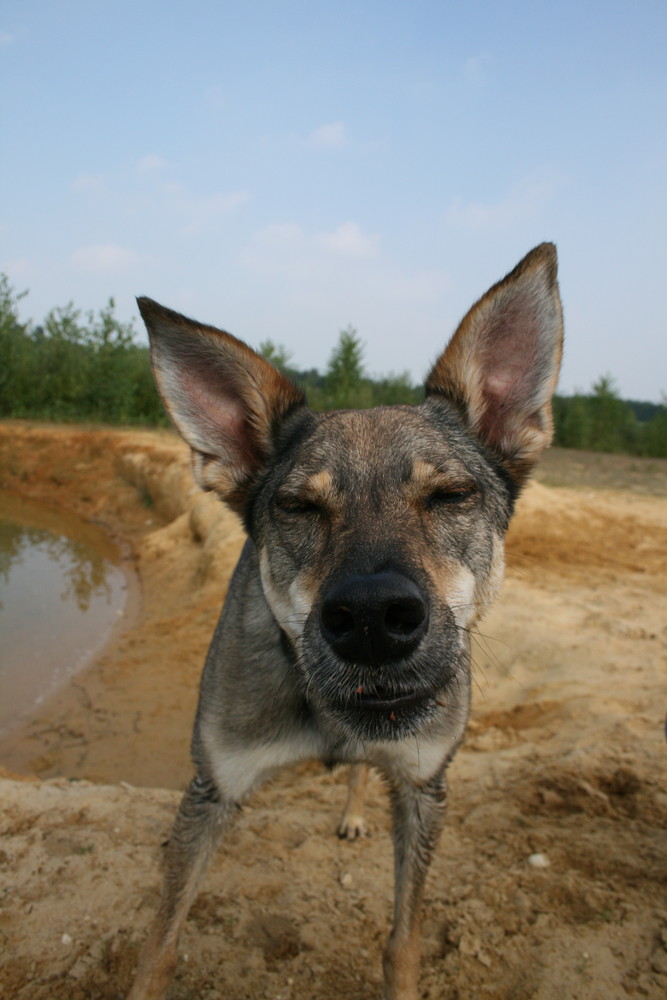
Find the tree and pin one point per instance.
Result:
(111, 389)
(62, 366)
(654, 437)
(393, 389)
(276, 354)
(16, 353)
(613, 423)
(572, 421)
(344, 383)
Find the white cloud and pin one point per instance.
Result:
(105, 258)
(341, 273)
(348, 240)
(288, 249)
(147, 188)
(151, 163)
(90, 184)
(20, 269)
(331, 136)
(474, 68)
(283, 250)
(418, 288)
(282, 234)
(201, 211)
(521, 203)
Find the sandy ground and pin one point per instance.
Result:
(565, 758)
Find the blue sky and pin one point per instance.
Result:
(285, 169)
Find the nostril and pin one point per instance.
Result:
(403, 618)
(338, 620)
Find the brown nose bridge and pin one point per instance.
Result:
(378, 531)
(369, 544)
(374, 520)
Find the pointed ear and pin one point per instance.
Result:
(501, 366)
(225, 399)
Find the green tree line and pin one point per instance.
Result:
(74, 367)
(345, 384)
(601, 421)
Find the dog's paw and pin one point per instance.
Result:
(351, 827)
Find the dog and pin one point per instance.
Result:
(375, 542)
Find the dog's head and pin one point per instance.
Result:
(379, 533)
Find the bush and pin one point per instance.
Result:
(602, 421)
(74, 369)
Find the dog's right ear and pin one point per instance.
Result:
(501, 366)
(225, 399)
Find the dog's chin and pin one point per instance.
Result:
(379, 720)
(379, 703)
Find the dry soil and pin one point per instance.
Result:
(565, 759)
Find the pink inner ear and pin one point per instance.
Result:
(499, 385)
(511, 369)
(218, 417)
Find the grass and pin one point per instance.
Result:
(597, 470)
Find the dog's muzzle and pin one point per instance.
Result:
(378, 655)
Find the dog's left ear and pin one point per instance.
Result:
(501, 366)
(224, 398)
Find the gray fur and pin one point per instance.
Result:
(375, 543)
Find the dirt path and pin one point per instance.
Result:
(565, 759)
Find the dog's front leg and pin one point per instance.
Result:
(199, 824)
(352, 824)
(418, 814)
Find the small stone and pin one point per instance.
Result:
(470, 945)
(66, 940)
(80, 968)
(346, 880)
(538, 861)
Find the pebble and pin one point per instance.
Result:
(346, 880)
(66, 940)
(538, 861)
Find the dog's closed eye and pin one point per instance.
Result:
(298, 506)
(451, 496)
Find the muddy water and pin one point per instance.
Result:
(62, 592)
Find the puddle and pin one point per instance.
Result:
(62, 592)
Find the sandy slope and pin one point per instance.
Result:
(565, 758)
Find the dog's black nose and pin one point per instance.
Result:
(374, 619)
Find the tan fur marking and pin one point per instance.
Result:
(457, 588)
(467, 596)
(427, 479)
(423, 472)
(321, 484)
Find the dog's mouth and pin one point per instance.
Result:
(388, 703)
(383, 714)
